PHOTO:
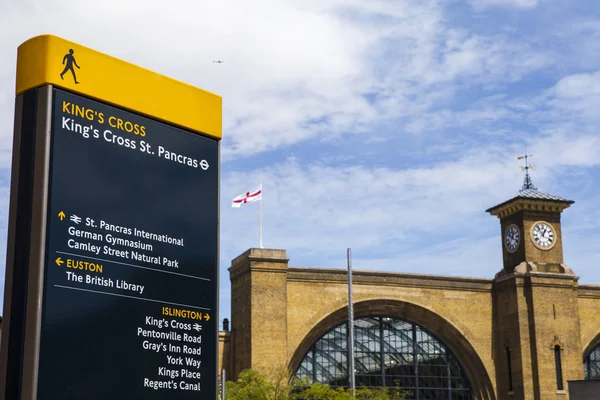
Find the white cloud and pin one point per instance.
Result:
(518, 4)
(411, 220)
(564, 148)
(318, 207)
(294, 70)
(467, 257)
(491, 58)
(579, 93)
(578, 86)
(432, 218)
(286, 62)
(317, 70)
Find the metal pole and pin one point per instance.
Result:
(261, 201)
(223, 384)
(351, 328)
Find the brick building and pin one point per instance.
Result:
(521, 335)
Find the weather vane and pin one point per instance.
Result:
(527, 182)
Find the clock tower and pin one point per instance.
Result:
(531, 231)
(537, 347)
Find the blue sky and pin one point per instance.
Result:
(384, 126)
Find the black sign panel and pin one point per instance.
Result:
(130, 290)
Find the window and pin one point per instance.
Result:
(509, 370)
(559, 378)
(389, 352)
(591, 365)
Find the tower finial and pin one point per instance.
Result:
(527, 182)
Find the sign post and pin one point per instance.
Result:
(111, 286)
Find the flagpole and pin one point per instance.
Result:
(351, 377)
(261, 212)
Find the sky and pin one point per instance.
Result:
(387, 127)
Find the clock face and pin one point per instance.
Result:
(543, 235)
(512, 238)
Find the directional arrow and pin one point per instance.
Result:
(61, 215)
(59, 261)
(206, 317)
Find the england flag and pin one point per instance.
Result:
(248, 197)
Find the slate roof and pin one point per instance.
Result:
(533, 194)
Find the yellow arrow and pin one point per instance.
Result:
(206, 317)
(59, 261)
(61, 215)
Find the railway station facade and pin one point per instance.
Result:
(523, 334)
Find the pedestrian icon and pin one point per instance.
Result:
(69, 61)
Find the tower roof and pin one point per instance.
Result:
(530, 198)
(534, 194)
(530, 194)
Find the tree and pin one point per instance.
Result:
(319, 391)
(278, 385)
(252, 385)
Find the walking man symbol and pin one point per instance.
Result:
(69, 60)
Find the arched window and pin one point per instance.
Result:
(509, 369)
(591, 365)
(389, 352)
(558, 365)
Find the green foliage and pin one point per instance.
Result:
(252, 385)
(319, 391)
(381, 394)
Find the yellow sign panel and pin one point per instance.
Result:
(50, 60)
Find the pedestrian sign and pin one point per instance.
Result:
(112, 261)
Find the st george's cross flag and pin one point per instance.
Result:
(248, 197)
